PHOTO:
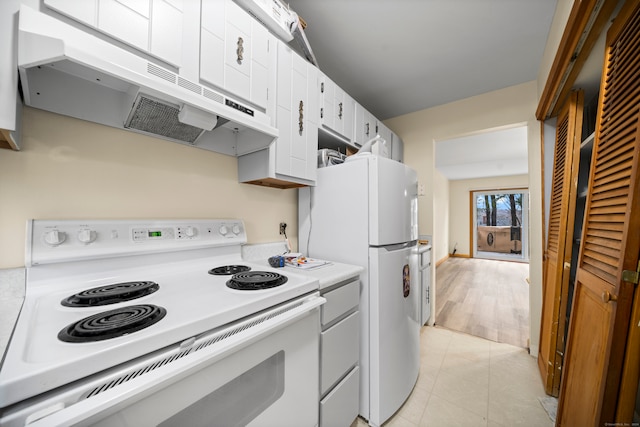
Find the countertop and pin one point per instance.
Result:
(12, 290)
(12, 283)
(327, 275)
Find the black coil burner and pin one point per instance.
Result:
(110, 294)
(228, 270)
(112, 324)
(256, 280)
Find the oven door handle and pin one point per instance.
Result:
(93, 409)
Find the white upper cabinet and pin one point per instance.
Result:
(166, 30)
(384, 133)
(153, 26)
(234, 51)
(327, 90)
(291, 161)
(365, 127)
(397, 148)
(296, 116)
(337, 108)
(344, 114)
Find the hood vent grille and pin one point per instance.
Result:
(195, 88)
(213, 96)
(159, 118)
(161, 72)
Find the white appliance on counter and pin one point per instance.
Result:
(364, 212)
(159, 323)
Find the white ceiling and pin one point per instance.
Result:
(399, 56)
(495, 153)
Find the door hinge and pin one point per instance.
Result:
(631, 276)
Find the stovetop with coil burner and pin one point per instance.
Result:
(70, 296)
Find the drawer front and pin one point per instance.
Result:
(341, 406)
(340, 301)
(340, 350)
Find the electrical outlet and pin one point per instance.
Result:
(283, 228)
(421, 190)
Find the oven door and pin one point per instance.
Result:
(260, 372)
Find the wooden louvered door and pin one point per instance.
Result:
(610, 243)
(559, 241)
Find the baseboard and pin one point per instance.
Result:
(460, 256)
(442, 260)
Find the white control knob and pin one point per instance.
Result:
(54, 237)
(190, 231)
(87, 236)
(236, 229)
(223, 230)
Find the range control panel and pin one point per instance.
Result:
(68, 240)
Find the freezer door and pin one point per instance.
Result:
(394, 336)
(393, 202)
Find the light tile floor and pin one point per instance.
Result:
(470, 381)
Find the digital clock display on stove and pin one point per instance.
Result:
(155, 233)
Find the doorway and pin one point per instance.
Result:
(500, 224)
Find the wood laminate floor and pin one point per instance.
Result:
(484, 298)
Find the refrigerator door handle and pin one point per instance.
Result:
(397, 246)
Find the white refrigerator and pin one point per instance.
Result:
(364, 212)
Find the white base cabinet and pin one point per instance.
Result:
(339, 355)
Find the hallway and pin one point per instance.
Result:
(470, 381)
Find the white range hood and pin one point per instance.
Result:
(71, 72)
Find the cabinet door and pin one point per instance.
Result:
(397, 148)
(112, 14)
(345, 114)
(166, 30)
(234, 51)
(327, 100)
(84, 11)
(365, 125)
(385, 133)
(237, 58)
(154, 26)
(336, 108)
(559, 238)
(297, 144)
(212, 49)
(261, 63)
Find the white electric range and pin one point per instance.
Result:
(121, 316)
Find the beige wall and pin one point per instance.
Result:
(512, 106)
(441, 211)
(460, 210)
(72, 169)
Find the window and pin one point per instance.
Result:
(500, 224)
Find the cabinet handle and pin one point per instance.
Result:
(322, 113)
(300, 117)
(240, 50)
(322, 87)
(366, 132)
(340, 113)
(376, 128)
